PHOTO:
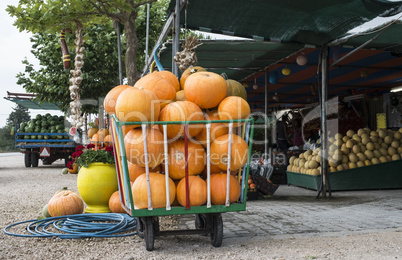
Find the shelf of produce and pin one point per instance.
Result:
(379, 176)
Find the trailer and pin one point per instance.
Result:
(49, 148)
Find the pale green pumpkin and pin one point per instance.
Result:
(235, 88)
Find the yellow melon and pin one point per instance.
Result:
(389, 158)
(292, 159)
(383, 159)
(357, 138)
(313, 164)
(377, 154)
(395, 144)
(360, 164)
(391, 151)
(361, 157)
(315, 172)
(352, 165)
(397, 135)
(332, 169)
(374, 139)
(388, 139)
(369, 154)
(382, 133)
(367, 162)
(356, 149)
(361, 131)
(339, 167)
(375, 161)
(353, 158)
(365, 140)
(345, 166)
(383, 151)
(350, 133)
(370, 146)
(374, 133)
(396, 157)
(377, 146)
(338, 136)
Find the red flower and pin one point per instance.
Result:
(89, 146)
(109, 149)
(70, 165)
(79, 148)
(75, 154)
(79, 153)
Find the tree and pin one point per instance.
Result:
(50, 81)
(54, 15)
(20, 114)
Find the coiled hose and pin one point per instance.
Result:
(79, 226)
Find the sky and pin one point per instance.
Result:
(15, 46)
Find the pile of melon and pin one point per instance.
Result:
(200, 95)
(100, 137)
(355, 149)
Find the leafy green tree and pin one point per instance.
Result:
(50, 81)
(6, 140)
(53, 15)
(20, 114)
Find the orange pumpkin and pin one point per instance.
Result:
(169, 76)
(92, 131)
(216, 130)
(232, 108)
(115, 203)
(103, 132)
(206, 89)
(180, 96)
(96, 139)
(196, 159)
(109, 103)
(188, 72)
(65, 202)
(235, 88)
(181, 111)
(158, 191)
(197, 191)
(135, 170)
(134, 145)
(126, 128)
(137, 105)
(74, 170)
(239, 152)
(108, 139)
(215, 169)
(156, 83)
(218, 189)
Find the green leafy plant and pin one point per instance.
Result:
(83, 156)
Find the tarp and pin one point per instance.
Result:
(31, 104)
(306, 22)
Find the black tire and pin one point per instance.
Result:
(34, 159)
(27, 158)
(217, 230)
(149, 233)
(156, 224)
(200, 221)
(140, 228)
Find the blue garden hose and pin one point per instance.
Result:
(158, 63)
(79, 226)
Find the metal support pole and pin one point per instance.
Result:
(266, 115)
(119, 53)
(323, 106)
(176, 38)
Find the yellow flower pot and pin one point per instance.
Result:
(96, 183)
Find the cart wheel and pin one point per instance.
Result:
(149, 233)
(27, 158)
(217, 230)
(140, 228)
(34, 159)
(200, 221)
(155, 221)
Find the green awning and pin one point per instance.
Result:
(31, 104)
(306, 22)
(235, 58)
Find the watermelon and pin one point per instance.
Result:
(72, 131)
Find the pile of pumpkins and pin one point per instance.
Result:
(200, 95)
(100, 137)
(356, 149)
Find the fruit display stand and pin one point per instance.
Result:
(378, 176)
(208, 219)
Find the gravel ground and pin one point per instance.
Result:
(24, 191)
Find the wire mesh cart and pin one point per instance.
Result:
(208, 219)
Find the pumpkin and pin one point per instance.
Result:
(126, 128)
(169, 76)
(215, 169)
(235, 88)
(156, 83)
(134, 144)
(196, 159)
(92, 131)
(137, 105)
(109, 103)
(188, 72)
(135, 170)
(181, 111)
(65, 202)
(103, 132)
(180, 96)
(96, 139)
(232, 108)
(115, 204)
(218, 189)
(108, 139)
(206, 89)
(158, 191)
(216, 129)
(219, 152)
(197, 191)
(74, 170)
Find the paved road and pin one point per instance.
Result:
(294, 210)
